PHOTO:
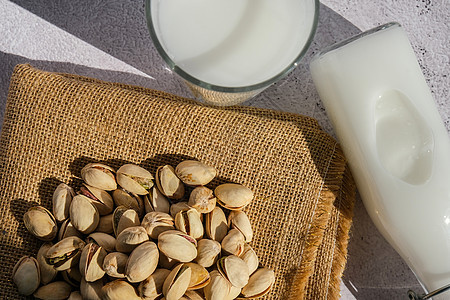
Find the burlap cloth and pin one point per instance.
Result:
(56, 123)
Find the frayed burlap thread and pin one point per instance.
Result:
(56, 123)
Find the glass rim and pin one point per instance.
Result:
(239, 89)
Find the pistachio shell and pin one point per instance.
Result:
(156, 223)
(168, 183)
(134, 179)
(91, 262)
(239, 220)
(119, 290)
(199, 276)
(40, 223)
(192, 295)
(207, 252)
(177, 282)
(101, 199)
(195, 173)
(72, 276)
(75, 295)
(100, 176)
(259, 283)
(177, 245)
(233, 196)
(151, 287)
(67, 229)
(114, 264)
(142, 262)
(123, 218)
(105, 224)
(233, 242)
(234, 293)
(83, 214)
(26, 275)
(177, 207)
(156, 201)
(218, 288)
(62, 197)
(65, 254)
(47, 272)
(91, 290)
(250, 258)
(189, 222)
(166, 262)
(58, 290)
(129, 200)
(106, 241)
(130, 238)
(216, 224)
(234, 270)
(202, 199)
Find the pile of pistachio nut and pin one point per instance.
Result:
(122, 237)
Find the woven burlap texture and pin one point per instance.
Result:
(56, 123)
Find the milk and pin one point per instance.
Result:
(397, 147)
(233, 43)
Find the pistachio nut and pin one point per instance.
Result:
(67, 229)
(83, 214)
(233, 242)
(259, 283)
(168, 183)
(216, 224)
(91, 290)
(177, 282)
(192, 295)
(177, 245)
(100, 198)
(202, 199)
(72, 276)
(142, 262)
(208, 252)
(105, 224)
(233, 196)
(100, 176)
(119, 290)
(250, 258)
(199, 276)
(123, 218)
(40, 223)
(91, 262)
(218, 288)
(233, 269)
(47, 272)
(193, 172)
(114, 264)
(156, 223)
(26, 275)
(130, 200)
(106, 241)
(134, 179)
(166, 262)
(189, 222)
(57, 290)
(151, 287)
(62, 197)
(239, 220)
(65, 254)
(156, 201)
(130, 238)
(75, 295)
(234, 293)
(177, 207)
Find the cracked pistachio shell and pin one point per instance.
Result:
(250, 258)
(83, 214)
(189, 222)
(233, 242)
(67, 229)
(151, 287)
(129, 200)
(202, 199)
(177, 245)
(142, 262)
(105, 224)
(234, 269)
(114, 264)
(177, 282)
(177, 207)
(216, 224)
(72, 276)
(26, 275)
(40, 223)
(106, 241)
(123, 218)
(65, 254)
(168, 182)
(62, 196)
(119, 290)
(233, 196)
(100, 176)
(156, 201)
(199, 276)
(259, 283)
(101, 199)
(91, 262)
(91, 290)
(130, 238)
(218, 288)
(195, 173)
(192, 295)
(75, 295)
(156, 223)
(234, 293)
(58, 290)
(134, 179)
(47, 272)
(208, 252)
(239, 220)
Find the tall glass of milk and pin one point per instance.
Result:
(230, 50)
(394, 139)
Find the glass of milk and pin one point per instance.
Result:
(227, 51)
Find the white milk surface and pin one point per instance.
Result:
(233, 43)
